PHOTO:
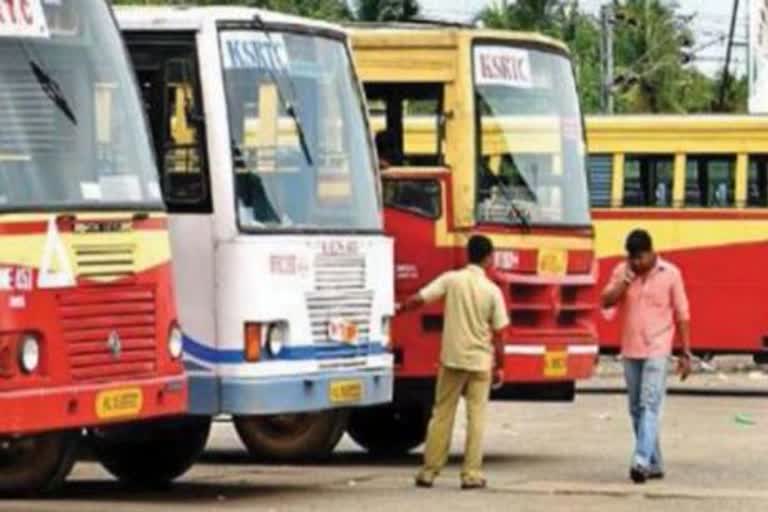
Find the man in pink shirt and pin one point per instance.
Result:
(650, 296)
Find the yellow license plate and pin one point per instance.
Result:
(556, 364)
(552, 262)
(119, 403)
(346, 391)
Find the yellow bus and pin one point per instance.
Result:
(699, 184)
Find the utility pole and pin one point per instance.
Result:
(728, 52)
(607, 23)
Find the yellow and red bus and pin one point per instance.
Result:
(699, 184)
(88, 333)
(483, 132)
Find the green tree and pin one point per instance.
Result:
(562, 20)
(545, 16)
(332, 10)
(387, 10)
(650, 39)
(736, 94)
(582, 36)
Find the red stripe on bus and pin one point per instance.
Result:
(23, 228)
(153, 223)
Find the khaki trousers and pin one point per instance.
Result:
(452, 384)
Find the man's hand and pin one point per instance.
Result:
(629, 276)
(615, 291)
(685, 362)
(685, 365)
(498, 360)
(411, 303)
(498, 377)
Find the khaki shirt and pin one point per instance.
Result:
(474, 310)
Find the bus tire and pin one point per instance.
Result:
(389, 430)
(153, 453)
(36, 465)
(292, 437)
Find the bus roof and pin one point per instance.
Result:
(405, 35)
(193, 18)
(677, 133)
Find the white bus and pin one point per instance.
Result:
(284, 275)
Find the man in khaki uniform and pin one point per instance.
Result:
(475, 315)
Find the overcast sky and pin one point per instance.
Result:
(711, 22)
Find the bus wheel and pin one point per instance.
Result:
(287, 437)
(36, 465)
(154, 453)
(389, 429)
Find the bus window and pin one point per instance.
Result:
(710, 181)
(410, 116)
(648, 180)
(600, 180)
(757, 195)
(421, 197)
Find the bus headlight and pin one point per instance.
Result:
(277, 337)
(29, 353)
(386, 330)
(175, 342)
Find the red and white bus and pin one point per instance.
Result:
(699, 185)
(88, 333)
(485, 136)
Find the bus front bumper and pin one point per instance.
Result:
(545, 363)
(290, 394)
(37, 410)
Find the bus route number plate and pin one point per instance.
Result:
(553, 262)
(555, 364)
(346, 391)
(119, 403)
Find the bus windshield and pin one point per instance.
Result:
(531, 165)
(300, 145)
(73, 133)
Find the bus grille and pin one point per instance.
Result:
(339, 293)
(353, 306)
(105, 262)
(339, 273)
(563, 311)
(90, 319)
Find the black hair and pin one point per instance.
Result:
(638, 242)
(479, 248)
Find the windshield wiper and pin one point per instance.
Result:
(52, 89)
(520, 214)
(288, 105)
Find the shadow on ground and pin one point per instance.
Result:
(178, 493)
(359, 459)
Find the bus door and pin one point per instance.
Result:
(167, 72)
(408, 121)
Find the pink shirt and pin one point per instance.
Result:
(649, 309)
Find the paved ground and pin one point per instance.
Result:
(725, 374)
(569, 457)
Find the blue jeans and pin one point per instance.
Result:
(646, 386)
